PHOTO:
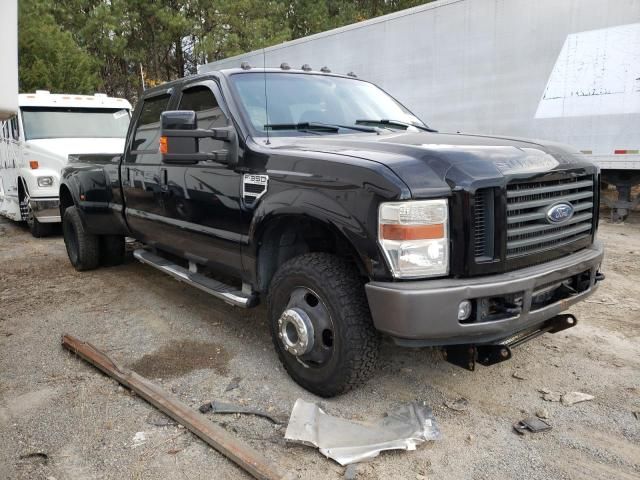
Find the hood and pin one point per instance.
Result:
(59, 149)
(430, 163)
(63, 147)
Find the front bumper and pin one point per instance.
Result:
(423, 313)
(46, 210)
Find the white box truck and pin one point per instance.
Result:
(35, 144)
(560, 70)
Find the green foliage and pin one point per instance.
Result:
(49, 57)
(85, 45)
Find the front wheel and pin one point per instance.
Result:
(321, 325)
(37, 229)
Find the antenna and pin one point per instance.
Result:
(266, 99)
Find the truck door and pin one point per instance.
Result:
(202, 200)
(142, 179)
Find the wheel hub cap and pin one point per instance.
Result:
(296, 331)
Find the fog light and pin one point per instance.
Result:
(464, 310)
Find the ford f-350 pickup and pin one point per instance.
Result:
(353, 219)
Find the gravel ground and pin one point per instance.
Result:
(60, 418)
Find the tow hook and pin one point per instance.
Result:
(466, 356)
(599, 277)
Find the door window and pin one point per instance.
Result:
(201, 100)
(146, 138)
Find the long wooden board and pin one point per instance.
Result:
(237, 451)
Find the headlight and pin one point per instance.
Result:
(414, 236)
(45, 181)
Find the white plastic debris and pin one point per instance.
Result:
(576, 397)
(349, 442)
(139, 439)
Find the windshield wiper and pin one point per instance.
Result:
(319, 126)
(303, 126)
(395, 123)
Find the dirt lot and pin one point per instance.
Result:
(60, 418)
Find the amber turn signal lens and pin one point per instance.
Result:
(33, 164)
(163, 145)
(412, 232)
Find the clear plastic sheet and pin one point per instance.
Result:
(346, 441)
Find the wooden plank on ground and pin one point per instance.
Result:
(236, 450)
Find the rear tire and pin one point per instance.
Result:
(112, 250)
(83, 248)
(329, 293)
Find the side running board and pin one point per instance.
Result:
(225, 292)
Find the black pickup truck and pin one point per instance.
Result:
(353, 219)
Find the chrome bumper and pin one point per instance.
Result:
(46, 210)
(422, 313)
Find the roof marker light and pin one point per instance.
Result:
(245, 66)
(285, 66)
(351, 74)
(325, 70)
(306, 67)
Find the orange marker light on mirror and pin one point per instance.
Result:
(33, 164)
(163, 145)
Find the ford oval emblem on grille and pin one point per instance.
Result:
(560, 212)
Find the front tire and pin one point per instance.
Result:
(321, 324)
(83, 248)
(37, 229)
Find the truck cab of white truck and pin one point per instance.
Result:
(36, 142)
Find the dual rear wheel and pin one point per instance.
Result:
(88, 251)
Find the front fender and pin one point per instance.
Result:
(353, 215)
(30, 179)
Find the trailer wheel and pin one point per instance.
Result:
(321, 325)
(112, 251)
(83, 248)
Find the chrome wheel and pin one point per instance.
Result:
(25, 210)
(305, 328)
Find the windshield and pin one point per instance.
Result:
(56, 122)
(295, 100)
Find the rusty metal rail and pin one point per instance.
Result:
(237, 451)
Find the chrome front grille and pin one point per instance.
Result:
(529, 231)
(483, 235)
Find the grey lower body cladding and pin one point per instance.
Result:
(424, 313)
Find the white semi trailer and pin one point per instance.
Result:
(563, 70)
(8, 59)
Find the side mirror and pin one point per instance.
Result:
(180, 135)
(178, 120)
